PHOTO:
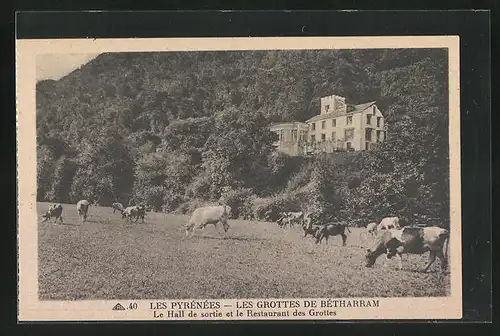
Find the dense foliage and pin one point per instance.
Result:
(174, 129)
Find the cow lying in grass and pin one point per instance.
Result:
(412, 240)
(204, 216)
(54, 211)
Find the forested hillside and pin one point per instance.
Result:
(178, 129)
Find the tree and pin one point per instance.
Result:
(105, 168)
(235, 155)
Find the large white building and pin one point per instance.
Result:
(338, 127)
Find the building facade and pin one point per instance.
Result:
(292, 137)
(338, 127)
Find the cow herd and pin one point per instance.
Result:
(82, 207)
(390, 238)
(309, 223)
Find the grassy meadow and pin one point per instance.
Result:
(107, 258)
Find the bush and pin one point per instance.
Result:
(240, 201)
(270, 207)
(299, 179)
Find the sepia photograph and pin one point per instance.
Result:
(234, 173)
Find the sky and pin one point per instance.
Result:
(55, 66)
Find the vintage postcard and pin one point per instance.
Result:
(307, 178)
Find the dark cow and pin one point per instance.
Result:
(332, 229)
(412, 240)
(54, 211)
(141, 212)
(312, 230)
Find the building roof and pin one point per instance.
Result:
(289, 124)
(357, 109)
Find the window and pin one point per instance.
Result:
(313, 126)
(368, 119)
(368, 134)
(379, 121)
(333, 135)
(281, 134)
(349, 134)
(334, 123)
(374, 110)
(349, 146)
(303, 136)
(323, 124)
(323, 137)
(327, 107)
(313, 138)
(367, 144)
(349, 120)
(294, 135)
(379, 135)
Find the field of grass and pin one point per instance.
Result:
(106, 258)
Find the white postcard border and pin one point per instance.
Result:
(31, 309)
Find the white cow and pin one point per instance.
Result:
(117, 207)
(83, 208)
(295, 218)
(389, 223)
(130, 212)
(412, 240)
(371, 229)
(201, 217)
(290, 219)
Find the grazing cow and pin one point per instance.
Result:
(55, 210)
(295, 218)
(371, 229)
(141, 212)
(389, 223)
(282, 219)
(201, 217)
(117, 207)
(130, 213)
(308, 226)
(412, 240)
(332, 229)
(312, 230)
(82, 207)
(290, 218)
